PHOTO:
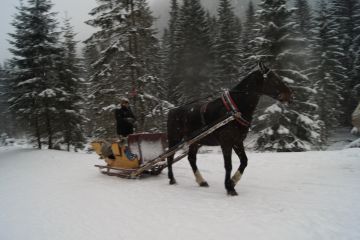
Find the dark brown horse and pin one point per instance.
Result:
(184, 121)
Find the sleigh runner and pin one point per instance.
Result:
(147, 153)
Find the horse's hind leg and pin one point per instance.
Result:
(229, 184)
(193, 149)
(170, 170)
(240, 151)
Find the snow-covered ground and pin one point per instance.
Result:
(59, 195)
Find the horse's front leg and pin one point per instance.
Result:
(193, 149)
(240, 152)
(229, 184)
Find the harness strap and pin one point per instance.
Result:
(225, 103)
(229, 99)
(231, 106)
(202, 112)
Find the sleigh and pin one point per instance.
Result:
(127, 158)
(146, 152)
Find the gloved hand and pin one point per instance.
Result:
(130, 120)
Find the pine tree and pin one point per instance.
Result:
(284, 129)
(345, 15)
(6, 119)
(109, 77)
(303, 29)
(170, 57)
(194, 64)
(71, 114)
(128, 59)
(35, 50)
(325, 67)
(248, 39)
(303, 18)
(227, 46)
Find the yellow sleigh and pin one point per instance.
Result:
(125, 159)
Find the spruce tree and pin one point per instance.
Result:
(227, 46)
(6, 119)
(284, 128)
(305, 94)
(325, 70)
(248, 40)
(71, 114)
(36, 53)
(303, 27)
(194, 64)
(109, 77)
(345, 16)
(171, 56)
(128, 59)
(303, 18)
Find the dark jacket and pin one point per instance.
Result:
(125, 120)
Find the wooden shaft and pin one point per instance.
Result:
(185, 143)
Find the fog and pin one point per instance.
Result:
(78, 10)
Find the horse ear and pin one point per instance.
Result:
(262, 66)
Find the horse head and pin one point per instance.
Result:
(271, 84)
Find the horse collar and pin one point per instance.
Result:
(231, 107)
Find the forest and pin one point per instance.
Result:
(57, 97)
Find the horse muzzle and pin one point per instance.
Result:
(286, 97)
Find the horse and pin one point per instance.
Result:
(241, 101)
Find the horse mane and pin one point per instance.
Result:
(245, 81)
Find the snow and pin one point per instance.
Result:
(305, 119)
(273, 109)
(283, 130)
(110, 107)
(59, 195)
(340, 138)
(29, 81)
(288, 80)
(151, 148)
(47, 93)
(354, 144)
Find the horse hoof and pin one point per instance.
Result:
(232, 193)
(172, 182)
(204, 184)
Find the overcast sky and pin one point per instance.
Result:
(76, 9)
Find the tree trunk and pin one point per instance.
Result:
(37, 132)
(48, 127)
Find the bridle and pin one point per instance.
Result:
(265, 74)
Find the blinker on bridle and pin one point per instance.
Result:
(265, 71)
(265, 75)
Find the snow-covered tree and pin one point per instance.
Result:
(345, 21)
(285, 128)
(36, 52)
(108, 69)
(325, 70)
(227, 46)
(7, 123)
(194, 64)
(247, 39)
(170, 56)
(70, 84)
(303, 18)
(128, 59)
